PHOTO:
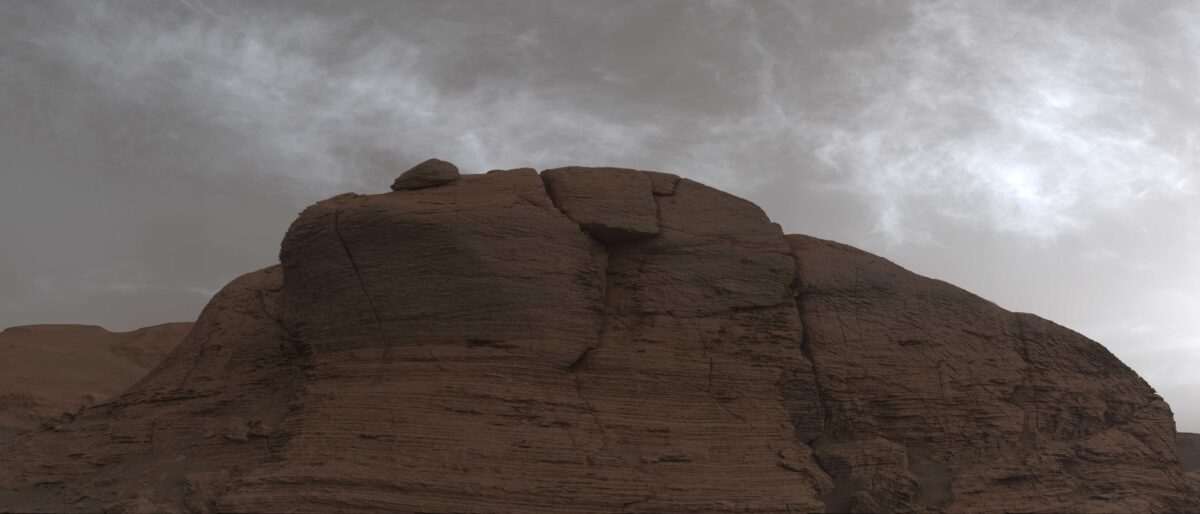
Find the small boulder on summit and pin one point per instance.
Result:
(433, 172)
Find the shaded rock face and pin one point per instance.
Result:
(601, 340)
(49, 370)
(1189, 457)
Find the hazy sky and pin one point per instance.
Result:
(1040, 154)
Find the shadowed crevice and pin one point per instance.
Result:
(807, 351)
(806, 348)
(337, 231)
(580, 363)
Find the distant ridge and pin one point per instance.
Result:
(46, 370)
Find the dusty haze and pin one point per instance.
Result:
(1040, 154)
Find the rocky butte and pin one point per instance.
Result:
(602, 340)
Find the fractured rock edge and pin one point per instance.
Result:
(612, 204)
(661, 185)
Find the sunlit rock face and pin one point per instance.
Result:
(598, 340)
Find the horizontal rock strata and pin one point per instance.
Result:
(603, 340)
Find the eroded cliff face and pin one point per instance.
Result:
(599, 340)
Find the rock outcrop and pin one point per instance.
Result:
(601, 340)
(433, 172)
(979, 409)
(49, 370)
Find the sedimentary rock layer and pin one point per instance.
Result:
(602, 340)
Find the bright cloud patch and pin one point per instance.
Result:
(1025, 120)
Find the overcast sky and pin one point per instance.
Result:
(1040, 154)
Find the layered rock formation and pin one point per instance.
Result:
(49, 370)
(602, 340)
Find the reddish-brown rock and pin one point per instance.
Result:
(482, 347)
(662, 184)
(146, 448)
(994, 410)
(48, 370)
(612, 204)
(433, 172)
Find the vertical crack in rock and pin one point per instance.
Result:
(606, 286)
(581, 363)
(711, 394)
(1027, 432)
(383, 340)
(658, 208)
(806, 349)
(1024, 351)
(606, 307)
(591, 410)
(662, 184)
(550, 196)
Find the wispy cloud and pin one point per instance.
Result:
(59, 286)
(306, 99)
(138, 287)
(1020, 117)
